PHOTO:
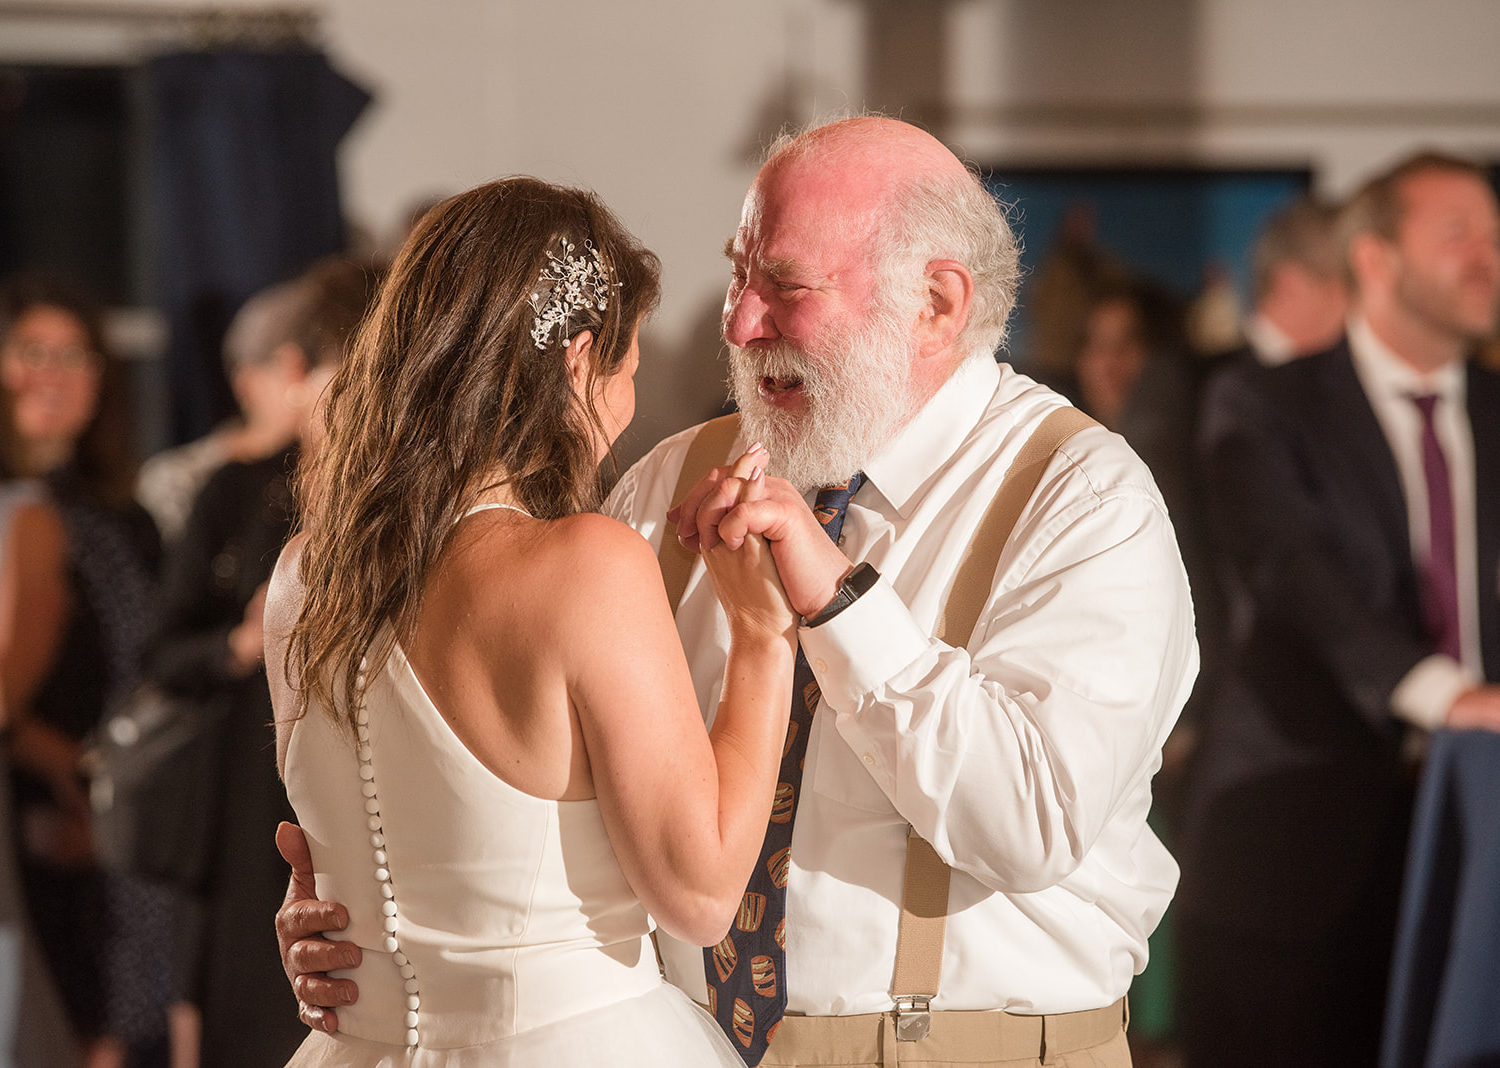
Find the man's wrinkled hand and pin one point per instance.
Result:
(306, 955)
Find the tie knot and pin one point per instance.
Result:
(1425, 403)
(833, 502)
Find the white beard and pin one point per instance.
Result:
(856, 392)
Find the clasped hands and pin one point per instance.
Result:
(736, 501)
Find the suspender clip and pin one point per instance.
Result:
(913, 1017)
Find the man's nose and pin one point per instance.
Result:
(747, 318)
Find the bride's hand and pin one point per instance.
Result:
(745, 577)
(697, 518)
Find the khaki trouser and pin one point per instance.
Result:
(1090, 1039)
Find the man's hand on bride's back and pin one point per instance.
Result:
(306, 955)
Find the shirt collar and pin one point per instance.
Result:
(1268, 341)
(1385, 374)
(936, 432)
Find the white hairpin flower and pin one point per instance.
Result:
(568, 284)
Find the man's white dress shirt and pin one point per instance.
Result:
(1026, 760)
(1424, 696)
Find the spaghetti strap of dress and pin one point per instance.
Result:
(485, 506)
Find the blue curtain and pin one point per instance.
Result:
(246, 194)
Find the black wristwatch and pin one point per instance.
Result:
(856, 584)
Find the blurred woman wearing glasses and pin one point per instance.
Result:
(64, 429)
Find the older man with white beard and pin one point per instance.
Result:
(872, 278)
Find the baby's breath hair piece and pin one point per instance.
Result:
(568, 284)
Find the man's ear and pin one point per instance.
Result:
(1372, 259)
(949, 293)
(293, 366)
(576, 356)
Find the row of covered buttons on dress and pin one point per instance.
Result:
(390, 920)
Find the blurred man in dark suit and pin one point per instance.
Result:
(1356, 496)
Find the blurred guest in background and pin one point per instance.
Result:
(265, 363)
(1353, 492)
(64, 421)
(1073, 270)
(34, 1031)
(1301, 290)
(210, 648)
(1130, 370)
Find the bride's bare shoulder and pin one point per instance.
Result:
(284, 596)
(593, 532)
(593, 549)
(285, 591)
(589, 560)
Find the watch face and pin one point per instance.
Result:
(861, 579)
(854, 586)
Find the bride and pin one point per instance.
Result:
(484, 717)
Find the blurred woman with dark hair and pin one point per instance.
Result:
(64, 422)
(33, 611)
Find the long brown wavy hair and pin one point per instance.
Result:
(444, 395)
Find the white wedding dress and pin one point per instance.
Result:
(497, 928)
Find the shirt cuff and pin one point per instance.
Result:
(862, 647)
(1428, 691)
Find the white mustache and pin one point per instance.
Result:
(779, 362)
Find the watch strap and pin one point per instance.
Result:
(855, 585)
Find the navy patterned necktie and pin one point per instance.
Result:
(747, 970)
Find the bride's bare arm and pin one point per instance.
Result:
(686, 811)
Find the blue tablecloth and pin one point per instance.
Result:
(1444, 1005)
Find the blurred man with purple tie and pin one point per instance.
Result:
(1356, 495)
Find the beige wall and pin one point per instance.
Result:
(660, 107)
(659, 104)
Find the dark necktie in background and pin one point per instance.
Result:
(1440, 575)
(747, 970)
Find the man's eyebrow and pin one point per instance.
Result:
(781, 268)
(774, 269)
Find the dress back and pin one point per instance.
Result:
(482, 912)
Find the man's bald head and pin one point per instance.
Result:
(904, 193)
(882, 153)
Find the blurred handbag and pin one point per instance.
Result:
(154, 772)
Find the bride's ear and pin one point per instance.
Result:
(576, 356)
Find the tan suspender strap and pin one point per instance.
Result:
(924, 900)
(971, 586)
(708, 450)
(924, 914)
